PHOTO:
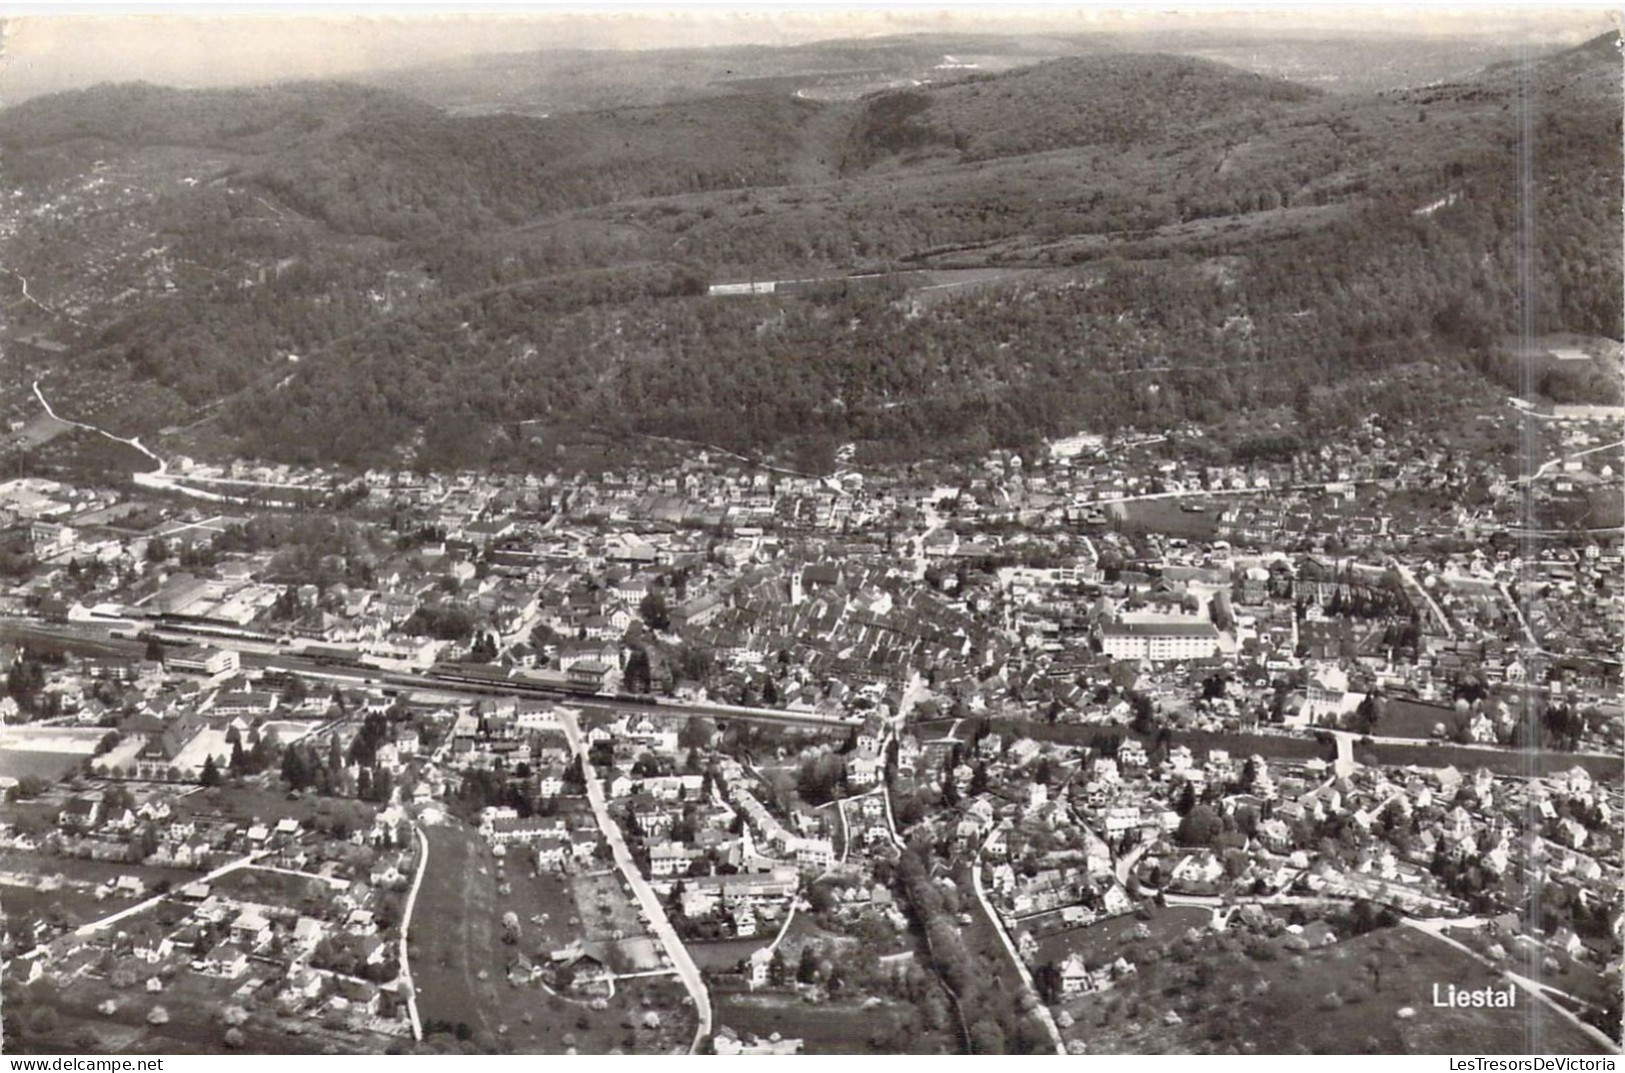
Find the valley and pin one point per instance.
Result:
(1092, 537)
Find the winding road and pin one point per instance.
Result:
(406, 927)
(160, 477)
(39, 304)
(132, 442)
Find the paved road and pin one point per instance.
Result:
(1533, 988)
(1409, 577)
(406, 927)
(1125, 864)
(914, 692)
(130, 442)
(141, 907)
(1346, 740)
(684, 965)
(1345, 765)
(1039, 1009)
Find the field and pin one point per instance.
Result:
(459, 962)
(1403, 718)
(826, 1028)
(453, 932)
(45, 752)
(1168, 516)
(725, 954)
(193, 1004)
(41, 763)
(1217, 995)
(247, 803)
(1106, 940)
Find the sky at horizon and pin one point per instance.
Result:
(51, 48)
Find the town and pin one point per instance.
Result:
(1088, 752)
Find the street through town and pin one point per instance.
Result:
(687, 971)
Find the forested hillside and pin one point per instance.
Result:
(369, 162)
(1193, 242)
(558, 80)
(1113, 101)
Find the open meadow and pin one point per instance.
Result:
(460, 961)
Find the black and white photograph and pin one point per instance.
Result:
(862, 531)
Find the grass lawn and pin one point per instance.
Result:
(271, 888)
(806, 928)
(1403, 718)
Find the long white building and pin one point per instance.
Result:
(1160, 642)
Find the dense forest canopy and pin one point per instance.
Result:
(341, 273)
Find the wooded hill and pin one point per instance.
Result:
(477, 288)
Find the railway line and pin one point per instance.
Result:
(452, 679)
(470, 680)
